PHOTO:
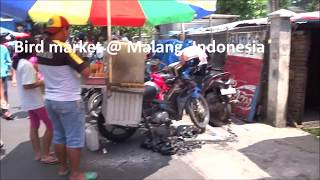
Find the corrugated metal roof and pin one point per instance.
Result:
(306, 17)
(229, 26)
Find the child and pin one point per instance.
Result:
(31, 100)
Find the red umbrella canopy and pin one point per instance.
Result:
(123, 12)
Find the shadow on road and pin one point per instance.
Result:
(20, 115)
(287, 158)
(20, 164)
(122, 161)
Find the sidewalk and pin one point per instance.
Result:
(261, 152)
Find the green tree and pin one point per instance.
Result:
(93, 32)
(284, 4)
(130, 32)
(305, 5)
(247, 9)
(250, 9)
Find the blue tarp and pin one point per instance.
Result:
(170, 57)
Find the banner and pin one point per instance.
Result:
(246, 67)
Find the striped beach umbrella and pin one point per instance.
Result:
(132, 13)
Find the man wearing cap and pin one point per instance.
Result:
(62, 76)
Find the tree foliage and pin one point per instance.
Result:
(247, 9)
(94, 32)
(250, 9)
(308, 5)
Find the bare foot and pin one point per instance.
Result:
(37, 157)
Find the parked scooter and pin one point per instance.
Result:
(218, 89)
(152, 66)
(183, 95)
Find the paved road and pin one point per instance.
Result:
(122, 161)
(258, 152)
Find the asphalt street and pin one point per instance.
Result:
(122, 161)
(237, 151)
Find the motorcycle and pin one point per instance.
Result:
(152, 66)
(182, 95)
(218, 89)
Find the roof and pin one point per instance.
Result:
(221, 16)
(228, 26)
(308, 17)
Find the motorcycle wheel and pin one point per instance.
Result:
(200, 116)
(219, 112)
(84, 96)
(93, 104)
(113, 132)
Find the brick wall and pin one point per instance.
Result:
(300, 46)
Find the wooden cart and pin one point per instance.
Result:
(124, 86)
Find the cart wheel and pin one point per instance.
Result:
(113, 132)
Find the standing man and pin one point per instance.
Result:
(62, 77)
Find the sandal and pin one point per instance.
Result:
(49, 160)
(91, 175)
(38, 158)
(5, 114)
(64, 173)
(8, 118)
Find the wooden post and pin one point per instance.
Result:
(109, 34)
(183, 36)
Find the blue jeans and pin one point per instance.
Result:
(68, 120)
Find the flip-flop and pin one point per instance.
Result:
(64, 173)
(5, 114)
(91, 175)
(50, 160)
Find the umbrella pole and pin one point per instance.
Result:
(182, 38)
(109, 36)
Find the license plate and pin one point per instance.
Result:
(228, 91)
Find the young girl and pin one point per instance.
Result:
(31, 100)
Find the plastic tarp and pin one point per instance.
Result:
(170, 56)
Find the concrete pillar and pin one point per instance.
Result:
(279, 59)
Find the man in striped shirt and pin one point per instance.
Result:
(62, 72)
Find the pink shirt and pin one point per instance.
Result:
(34, 61)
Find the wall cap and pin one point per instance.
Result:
(282, 13)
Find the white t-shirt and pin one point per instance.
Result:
(30, 98)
